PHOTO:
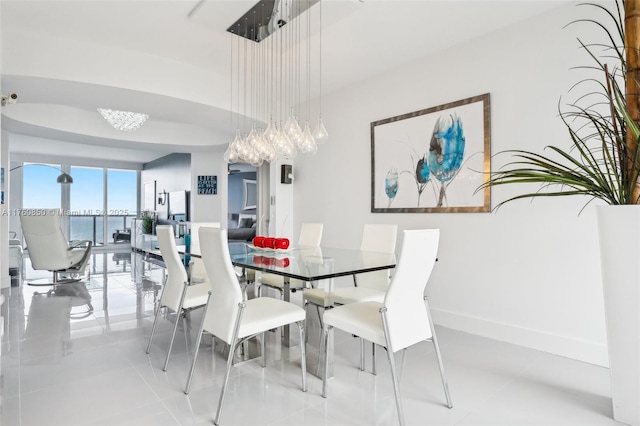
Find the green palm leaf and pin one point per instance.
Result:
(600, 163)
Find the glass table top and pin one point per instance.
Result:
(306, 263)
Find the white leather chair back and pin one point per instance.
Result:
(176, 272)
(195, 228)
(407, 315)
(48, 247)
(380, 238)
(197, 269)
(226, 293)
(310, 234)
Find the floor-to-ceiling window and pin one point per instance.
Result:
(122, 199)
(98, 203)
(86, 202)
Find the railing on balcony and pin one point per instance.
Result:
(90, 227)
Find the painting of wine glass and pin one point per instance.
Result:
(432, 160)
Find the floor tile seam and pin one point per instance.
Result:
(331, 420)
(82, 350)
(566, 392)
(166, 407)
(5, 393)
(481, 402)
(482, 410)
(18, 397)
(157, 395)
(99, 419)
(93, 378)
(539, 361)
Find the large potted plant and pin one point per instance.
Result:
(603, 163)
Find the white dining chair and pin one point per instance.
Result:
(368, 286)
(403, 319)
(198, 273)
(197, 270)
(310, 236)
(233, 319)
(178, 294)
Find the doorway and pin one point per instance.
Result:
(242, 206)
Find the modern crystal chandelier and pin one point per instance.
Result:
(123, 120)
(273, 66)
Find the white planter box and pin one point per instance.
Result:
(619, 234)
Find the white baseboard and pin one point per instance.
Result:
(582, 350)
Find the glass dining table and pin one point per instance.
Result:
(314, 265)
(309, 264)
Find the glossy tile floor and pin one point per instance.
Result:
(76, 356)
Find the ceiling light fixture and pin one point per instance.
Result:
(123, 120)
(271, 63)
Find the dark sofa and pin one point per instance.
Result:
(246, 229)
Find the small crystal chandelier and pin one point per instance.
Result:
(123, 120)
(275, 85)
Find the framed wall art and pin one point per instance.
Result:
(433, 160)
(207, 185)
(250, 194)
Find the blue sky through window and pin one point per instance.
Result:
(42, 191)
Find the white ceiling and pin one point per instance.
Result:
(66, 58)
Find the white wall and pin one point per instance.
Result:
(528, 273)
(209, 208)
(281, 211)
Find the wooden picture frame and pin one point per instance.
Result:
(433, 160)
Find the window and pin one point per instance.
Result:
(40, 189)
(87, 204)
(122, 196)
(100, 201)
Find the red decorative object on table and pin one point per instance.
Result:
(269, 242)
(282, 243)
(258, 241)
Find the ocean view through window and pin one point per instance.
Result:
(99, 203)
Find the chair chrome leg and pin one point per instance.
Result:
(303, 355)
(155, 321)
(186, 326)
(264, 349)
(173, 336)
(392, 365)
(401, 369)
(434, 340)
(373, 359)
(179, 313)
(321, 324)
(195, 353)
(153, 328)
(232, 349)
(361, 353)
(326, 330)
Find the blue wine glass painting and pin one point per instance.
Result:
(446, 152)
(432, 160)
(391, 185)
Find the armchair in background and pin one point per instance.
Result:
(15, 255)
(49, 249)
